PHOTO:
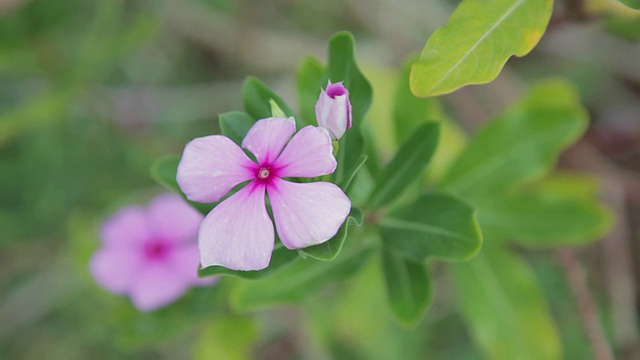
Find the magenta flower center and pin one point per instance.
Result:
(157, 249)
(265, 173)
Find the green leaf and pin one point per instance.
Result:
(280, 258)
(164, 171)
(256, 96)
(624, 26)
(228, 338)
(309, 82)
(329, 250)
(476, 42)
(235, 125)
(342, 67)
(634, 4)
(505, 307)
(371, 149)
(351, 173)
(350, 158)
(435, 225)
(275, 109)
(408, 164)
(408, 287)
(410, 111)
(522, 145)
(296, 282)
(560, 211)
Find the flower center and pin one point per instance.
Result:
(156, 250)
(264, 172)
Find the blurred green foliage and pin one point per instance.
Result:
(92, 92)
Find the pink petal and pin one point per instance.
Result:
(186, 261)
(238, 233)
(129, 226)
(336, 89)
(114, 267)
(173, 219)
(308, 154)
(308, 213)
(211, 166)
(267, 138)
(156, 285)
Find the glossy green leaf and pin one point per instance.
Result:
(408, 287)
(350, 173)
(280, 258)
(410, 111)
(164, 171)
(329, 250)
(235, 125)
(505, 308)
(522, 145)
(296, 282)
(476, 42)
(309, 82)
(256, 96)
(228, 338)
(350, 158)
(435, 225)
(408, 164)
(342, 66)
(371, 149)
(634, 4)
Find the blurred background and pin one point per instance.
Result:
(93, 91)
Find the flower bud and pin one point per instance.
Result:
(333, 109)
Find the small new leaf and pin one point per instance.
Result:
(275, 109)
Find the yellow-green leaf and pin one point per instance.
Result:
(476, 42)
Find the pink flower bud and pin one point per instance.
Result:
(333, 109)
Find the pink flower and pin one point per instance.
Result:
(238, 233)
(333, 110)
(150, 254)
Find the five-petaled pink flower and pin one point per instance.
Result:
(333, 109)
(238, 233)
(150, 254)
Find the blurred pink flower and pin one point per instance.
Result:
(333, 110)
(150, 254)
(238, 233)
